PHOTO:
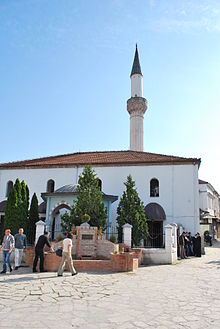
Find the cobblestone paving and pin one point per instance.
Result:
(186, 295)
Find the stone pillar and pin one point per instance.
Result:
(40, 227)
(174, 235)
(168, 237)
(170, 243)
(127, 234)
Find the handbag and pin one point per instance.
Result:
(59, 252)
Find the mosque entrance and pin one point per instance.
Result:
(155, 215)
(56, 220)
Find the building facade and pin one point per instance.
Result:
(167, 185)
(209, 205)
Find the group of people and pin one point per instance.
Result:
(189, 245)
(66, 253)
(10, 242)
(19, 244)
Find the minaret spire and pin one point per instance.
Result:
(136, 68)
(136, 106)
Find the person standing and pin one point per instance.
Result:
(20, 245)
(39, 251)
(67, 255)
(191, 252)
(197, 242)
(182, 245)
(186, 244)
(7, 247)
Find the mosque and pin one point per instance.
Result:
(167, 185)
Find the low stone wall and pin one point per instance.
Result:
(137, 254)
(124, 262)
(118, 262)
(167, 255)
(158, 256)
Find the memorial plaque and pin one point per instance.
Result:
(87, 236)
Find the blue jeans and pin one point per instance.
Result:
(6, 259)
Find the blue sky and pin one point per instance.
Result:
(64, 77)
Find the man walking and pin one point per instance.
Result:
(20, 245)
(7, 247)
(39, 251)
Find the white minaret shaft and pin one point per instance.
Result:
(136, 107)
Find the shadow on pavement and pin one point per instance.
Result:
(25, 278)
(214, 262)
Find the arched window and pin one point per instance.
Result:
(100, 184)
(154, 187)
(50, 186)
(9, 187)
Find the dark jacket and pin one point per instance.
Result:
(181, 240)
(41, 243)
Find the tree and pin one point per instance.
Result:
(89, 202)
(33, 218)
(11, 212)
(25, 197)
(131, 210)
(16, 211)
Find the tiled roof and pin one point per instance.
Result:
(71, 189)
(100, 158)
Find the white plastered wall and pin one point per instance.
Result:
(178, 186)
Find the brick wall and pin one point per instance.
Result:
(118, 262)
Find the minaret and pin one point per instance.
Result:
(136, 107)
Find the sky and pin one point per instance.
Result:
(65, 77)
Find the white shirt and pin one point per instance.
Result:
(66, 243)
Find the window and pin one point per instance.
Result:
(9, 187)
(50, 186)
(154, 187)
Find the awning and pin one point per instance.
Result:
(154, 212)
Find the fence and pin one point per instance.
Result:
(154, 240)
(111, 233)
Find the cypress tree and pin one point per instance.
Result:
(89, 202)
(11, 212)
(16, 211)
(27, 197)
(33, 218)
(131, 210)
(24, 205)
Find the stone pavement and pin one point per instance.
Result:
(186, 295)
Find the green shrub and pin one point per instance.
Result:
(112, 238)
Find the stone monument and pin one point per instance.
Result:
(86, 242)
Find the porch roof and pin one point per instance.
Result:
(71, 189)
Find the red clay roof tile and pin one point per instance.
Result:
(100, 158)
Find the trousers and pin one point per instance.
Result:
(18, 256)
(6, 260)
(63, 262)
(39, 253)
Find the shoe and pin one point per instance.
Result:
(43, 271)
(34, 271)
(16, 268)
(74, 274)
(59, 274)
(2, 272)
(11, 269)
